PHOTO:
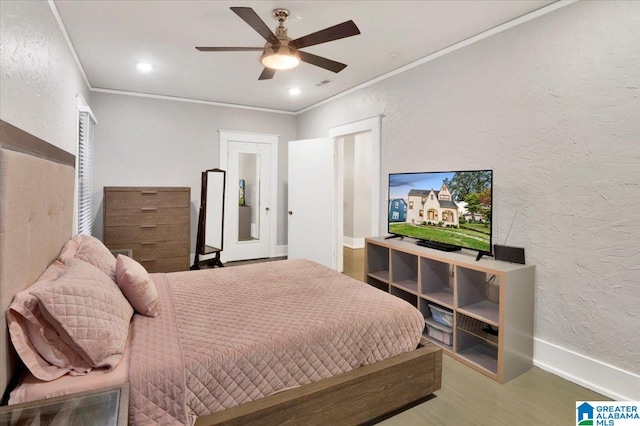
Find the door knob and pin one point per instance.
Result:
(290, 212)
(266, 208)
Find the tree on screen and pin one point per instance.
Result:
(464, 183)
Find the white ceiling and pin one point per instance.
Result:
(110, 37)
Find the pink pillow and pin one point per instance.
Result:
(89, 313)
(70, 249)
(136, 285)
(35, 340)
(91, 250)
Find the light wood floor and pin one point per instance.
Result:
(353, 263)
(469, 398)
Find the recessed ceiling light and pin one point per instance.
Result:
(294, 91)
(144, 67)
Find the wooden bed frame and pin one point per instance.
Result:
(356, 397)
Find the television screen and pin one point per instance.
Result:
(449, 209)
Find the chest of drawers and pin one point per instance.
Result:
(152, 222)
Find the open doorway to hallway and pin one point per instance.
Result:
(357, 181)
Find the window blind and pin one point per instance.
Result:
(85, 166)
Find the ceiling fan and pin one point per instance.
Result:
(280, 52)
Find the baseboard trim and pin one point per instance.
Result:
(353, 243)
(598, 376)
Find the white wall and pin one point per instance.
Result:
(348, 188)
(362, 171)
(553, 106)
(141, 141)
(357, 188)
(39, 78)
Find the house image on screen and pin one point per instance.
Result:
(397, 210)
(432, 206)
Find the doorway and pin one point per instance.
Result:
(250, 228)
(316, 191)
(356, 194)
(361, 141)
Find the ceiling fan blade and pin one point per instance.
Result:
(346, 29)
(229, 49)
(321, 62)
(267, 74)
(249, 16)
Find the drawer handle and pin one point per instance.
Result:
(149, 192)
(147, 260)
(147, 243)
(148, 209)
(148, 226)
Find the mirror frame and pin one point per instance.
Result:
(201, 247)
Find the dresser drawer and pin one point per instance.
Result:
(172, 264)
(147, 198)
(145, 233)
(147, 216)
(154, 250)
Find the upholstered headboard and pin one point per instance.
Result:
(36, 218)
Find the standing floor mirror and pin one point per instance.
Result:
(210, 238)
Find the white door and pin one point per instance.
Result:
(312, 189)
(248, 211)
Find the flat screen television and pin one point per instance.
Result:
(443, 210)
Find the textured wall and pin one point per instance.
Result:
(152, 142)
(553, 106)
(39, 78)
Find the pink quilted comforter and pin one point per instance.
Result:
(229, 336)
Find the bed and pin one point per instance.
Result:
(282, 342)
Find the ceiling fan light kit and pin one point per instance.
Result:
(282, 53)
(280, 57)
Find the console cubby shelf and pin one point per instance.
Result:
(482, 296)
(443, 297)
(485, 310)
